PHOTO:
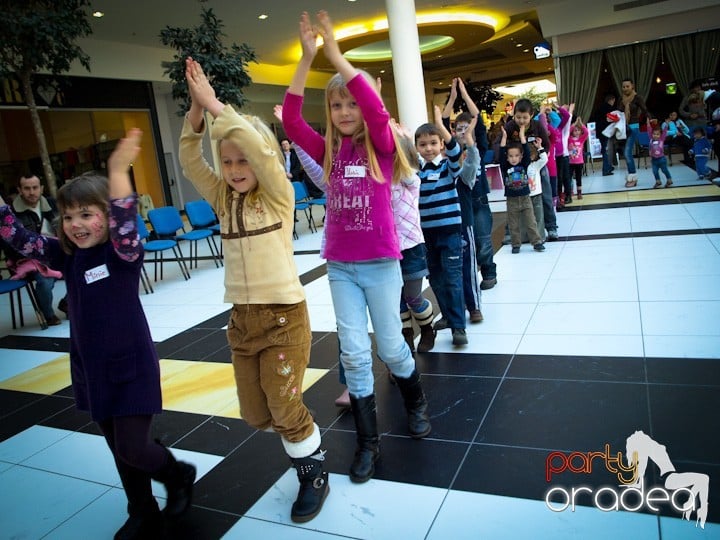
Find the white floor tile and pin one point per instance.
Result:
(35, 502)
(502, 319)
(594, 318)
(478, 344)
(682, 346)
(15, 361)
(100, 519)
(247, 528)
(674, 288)
(369, 510)
(680, 318)
(611, 288)
(575, 344)
(25, 444)
(506, 517)
(516, 291)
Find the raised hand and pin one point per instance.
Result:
(277, 111)
(125, 152)
(468, 136)
(325, 29)
(503, 140)
(201, 92)
(308, 36)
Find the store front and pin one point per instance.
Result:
(82, 120)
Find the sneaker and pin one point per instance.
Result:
(668, 183)
(539, 247)
(459, 336)
(516, 249)
(53, 321)
(476, 316)
(552, 236)
(658, 184)
(486, 284)
(442, 324)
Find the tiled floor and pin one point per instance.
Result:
(615, 328)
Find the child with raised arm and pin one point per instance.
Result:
(576, 153)
(361, 160)
(656, 149)
(269, 329)
(113, 363)
(514, 160)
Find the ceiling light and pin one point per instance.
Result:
(262, 17)
(518, 44)
(382, 70)
(380, 50)
(526, 50)
(543, 86)
(98, 14)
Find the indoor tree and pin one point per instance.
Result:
(40, 35)
(225, 68)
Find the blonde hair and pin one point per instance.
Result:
(333, 138)
(269, 138)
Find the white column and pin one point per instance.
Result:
(407, 65)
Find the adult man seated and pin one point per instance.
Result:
(37, 213)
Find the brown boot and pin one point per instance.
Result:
(579, 193)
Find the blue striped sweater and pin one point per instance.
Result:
(438, 203)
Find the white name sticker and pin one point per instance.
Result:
(96, 274)
(355, 171)
(434, 176)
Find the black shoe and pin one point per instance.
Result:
(179, 479)
(145, 524)
(516, 249)
(63, 305)
(368, 441)
(539, 247)
(427, 338)
(442, 324)
(53, 321)
(314, 487)
(415, 405)
(486, 284)
(459, 337)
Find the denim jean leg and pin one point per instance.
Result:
(448, 279)
(656, 169)
(43, 292)
(548, 209)
(351, 314)
(606, 159)
(633, 136)
(382, 282)
(483, 237)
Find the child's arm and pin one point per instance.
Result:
(30, 244)
(309, 50)
(446, 135)
(332, 49)
(123, 204)
(471, 164)
(447, 111)
(479, 129)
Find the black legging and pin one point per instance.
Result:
(129, 440)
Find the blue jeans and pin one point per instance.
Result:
(471, 284)
(660, 164)
(483, 237)
(607, 165)
(547, 202)
(43, 293)
(633, 135)
(444, 254)
(359, 287)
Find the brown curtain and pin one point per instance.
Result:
(579, 77)
(637, 62)
(680, 55)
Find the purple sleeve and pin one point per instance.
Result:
(123, 228)
(374, 113)
(312, 168)
(297, 129)
(32, 245)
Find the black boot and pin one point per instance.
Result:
(178, 478)
(145, 519)
(416, 405)
(427, 338)
(368, 442)
(407, 330)
(314, 487)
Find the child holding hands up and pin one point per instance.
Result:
(361, 159)
(113, 363)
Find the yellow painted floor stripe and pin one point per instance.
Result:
(187, 386)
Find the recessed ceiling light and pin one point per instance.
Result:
(382, 70)
(262, 17)
(518, 44)
(98, 14)
(526, 50)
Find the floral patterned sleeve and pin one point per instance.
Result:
(123, 228)
(29, 243)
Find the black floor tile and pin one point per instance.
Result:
(425, 462)
(699, 371)
(217, 436)
(70, 419)
(200, 524)
(214, 341)
(568, 415)
(685, 419)
(479, 365)
(320, 399)
(33, 413)
(172, 426)
(581, 368)
(11, 401)
(324, 351)
(238, 481)
(221, 356)
(170, 346)
(33, 343)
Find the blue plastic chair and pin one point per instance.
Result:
(158, 246)
(202, 216)
(166, 222)
(644, 144)
(13, 288)
(302, 202)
